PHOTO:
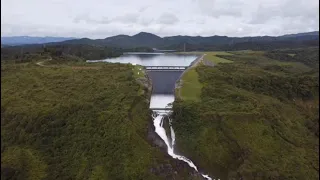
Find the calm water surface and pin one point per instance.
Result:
(152, 59)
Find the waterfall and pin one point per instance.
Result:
(158, 119)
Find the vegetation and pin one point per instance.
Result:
(191, 86)
(138, 71)
(212, 56)
(309, 57)
(29, 53)
(78, 121)
(257, 119)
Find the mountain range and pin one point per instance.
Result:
(21, 40)
(144, 39)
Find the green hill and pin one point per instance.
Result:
(78, 121)
(257, 118)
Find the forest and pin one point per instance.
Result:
(257, 118)
(26, 53)
(78, 121)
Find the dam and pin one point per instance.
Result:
(164, 70)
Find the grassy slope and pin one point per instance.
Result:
(76, 121)
(138, 71)
(211, 56)
(251, 121)
(191, 86)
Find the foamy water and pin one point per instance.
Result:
(161, 101)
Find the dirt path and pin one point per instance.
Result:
(41, 62)
(72, 67)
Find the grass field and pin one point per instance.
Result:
(138, 71)
(191, 87)
(211, 56)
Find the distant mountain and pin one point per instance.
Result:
(302, 34)
(20, 40)
(141, 39)
(144, 39)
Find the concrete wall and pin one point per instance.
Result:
(163, 82)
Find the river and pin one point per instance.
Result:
(160, 100)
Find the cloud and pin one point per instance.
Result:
(168, 18)
(142, 9)
(127, 18)
(100, 18)
(86, 18)
(218, 8)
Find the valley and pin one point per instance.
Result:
(240, 114)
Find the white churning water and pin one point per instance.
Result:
(161, 101)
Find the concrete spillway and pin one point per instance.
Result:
(163, 82)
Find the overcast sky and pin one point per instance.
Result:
(104, 18)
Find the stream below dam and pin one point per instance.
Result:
(163, 83)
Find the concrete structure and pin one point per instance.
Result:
(163, 81)
(166, 68)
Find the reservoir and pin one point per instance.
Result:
(152, 59)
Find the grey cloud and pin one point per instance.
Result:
(142, 9)
(89, 20)
(146, 21)
(168, 18)
(226, 11)
(127, 18)
(100, 18)
(218, 8)
(285, 11)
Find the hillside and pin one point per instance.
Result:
(79, 121)
(29, 53)
(87, 51)
(20, 40)
(256, 115)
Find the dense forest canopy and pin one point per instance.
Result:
(29, 52)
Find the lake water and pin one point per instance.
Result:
(152, 59)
